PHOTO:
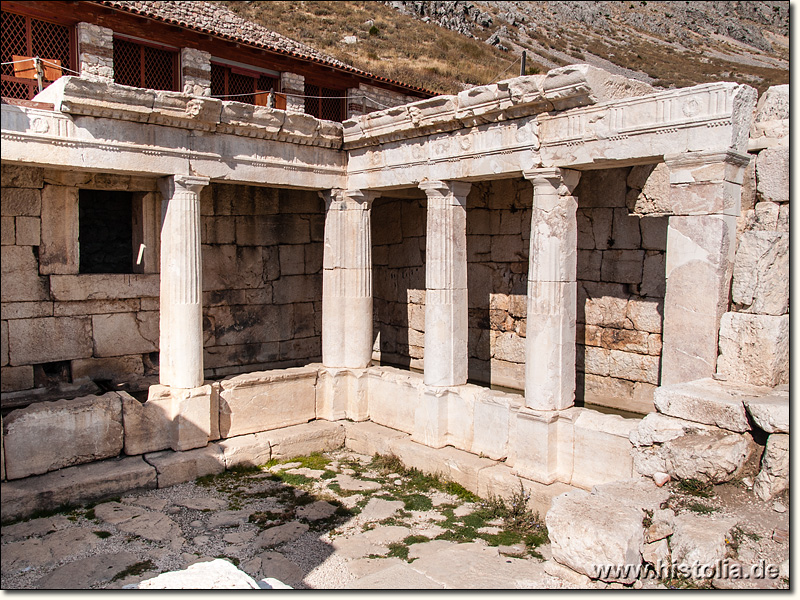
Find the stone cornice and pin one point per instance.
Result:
(82, 97)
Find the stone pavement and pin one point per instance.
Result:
(333, 521)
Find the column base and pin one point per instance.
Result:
(342, 394)
(188, 414)
(542, 445)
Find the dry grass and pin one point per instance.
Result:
(403, 48)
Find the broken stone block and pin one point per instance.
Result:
(656, 553)
(302, 440)
(650, 192)
(638, 492)
(774, 475)
(761, 272)
(771, 412)
(698, 539)
(657, 428)
(577, 521)
(147, 425)
(707, 401)
(51, 435)
(280, 534)
(772, 174)
(247, 450)
(601, 448)
(754, 348)
(710, 455)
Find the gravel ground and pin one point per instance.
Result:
(368, 540)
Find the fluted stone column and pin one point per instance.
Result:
(552, 291)
(705, 199)
(347, 279)
(181, 317)
(446, 322)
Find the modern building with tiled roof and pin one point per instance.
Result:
(172, 45)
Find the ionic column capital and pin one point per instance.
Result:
(342, 199)
(561, 181)
(176, 183)
(457, 190)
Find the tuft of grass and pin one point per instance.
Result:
(398, 549)
(135, 569)
(695, 487)
(102, 534)
(700, 508)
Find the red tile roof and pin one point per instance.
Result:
(214, 19)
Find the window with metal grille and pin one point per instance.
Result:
(26, 37)
(325, 103)
(145, 66)
(105, 231)
(240, 85)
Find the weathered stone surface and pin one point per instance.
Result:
(149, 525)
(602, 450)
(267, 400)
(771, 412)
(35, 528)
(637, 492)
(650, 193)
(707, 401)
(47, 551)
(85, 573)
(178, 467)
(378, 509)
(13, 379)
(147, 426)
(754, 348)
(699, 539)
(316, 511)
(18, 176)
(274, 536)
(217, 574)
(657, 428)
(77, 431)
(76, 484)
(761, 272)
(774, 475)
(369, 438)
(274, 565)
(656, 553)
(302, 440)
(248, 450)
(711, 455)
(125, 333)
(772, 174)
(50, 339)
(577, 520)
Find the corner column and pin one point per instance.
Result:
(705, 198)
(446, 319)
(181, 315)
(552, 291)
(347, 279)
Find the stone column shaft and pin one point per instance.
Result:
(446, 316)
(347, 280)
(181, 316)
(705, 197)
(552, 291)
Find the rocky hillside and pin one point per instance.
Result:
(446, 46)
(667, 44)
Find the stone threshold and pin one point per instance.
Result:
(115, 477)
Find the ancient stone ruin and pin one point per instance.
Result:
(468, 282)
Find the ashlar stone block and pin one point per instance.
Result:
(266, 400)
(772, 174)
(761, 272)
(76, 431)
(49, 339)
(754, 348)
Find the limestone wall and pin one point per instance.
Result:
(621, 287)
(262, 277)
(398, 258)
(754, 335)
(59, 326)
(498, 239)
(368, 98)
